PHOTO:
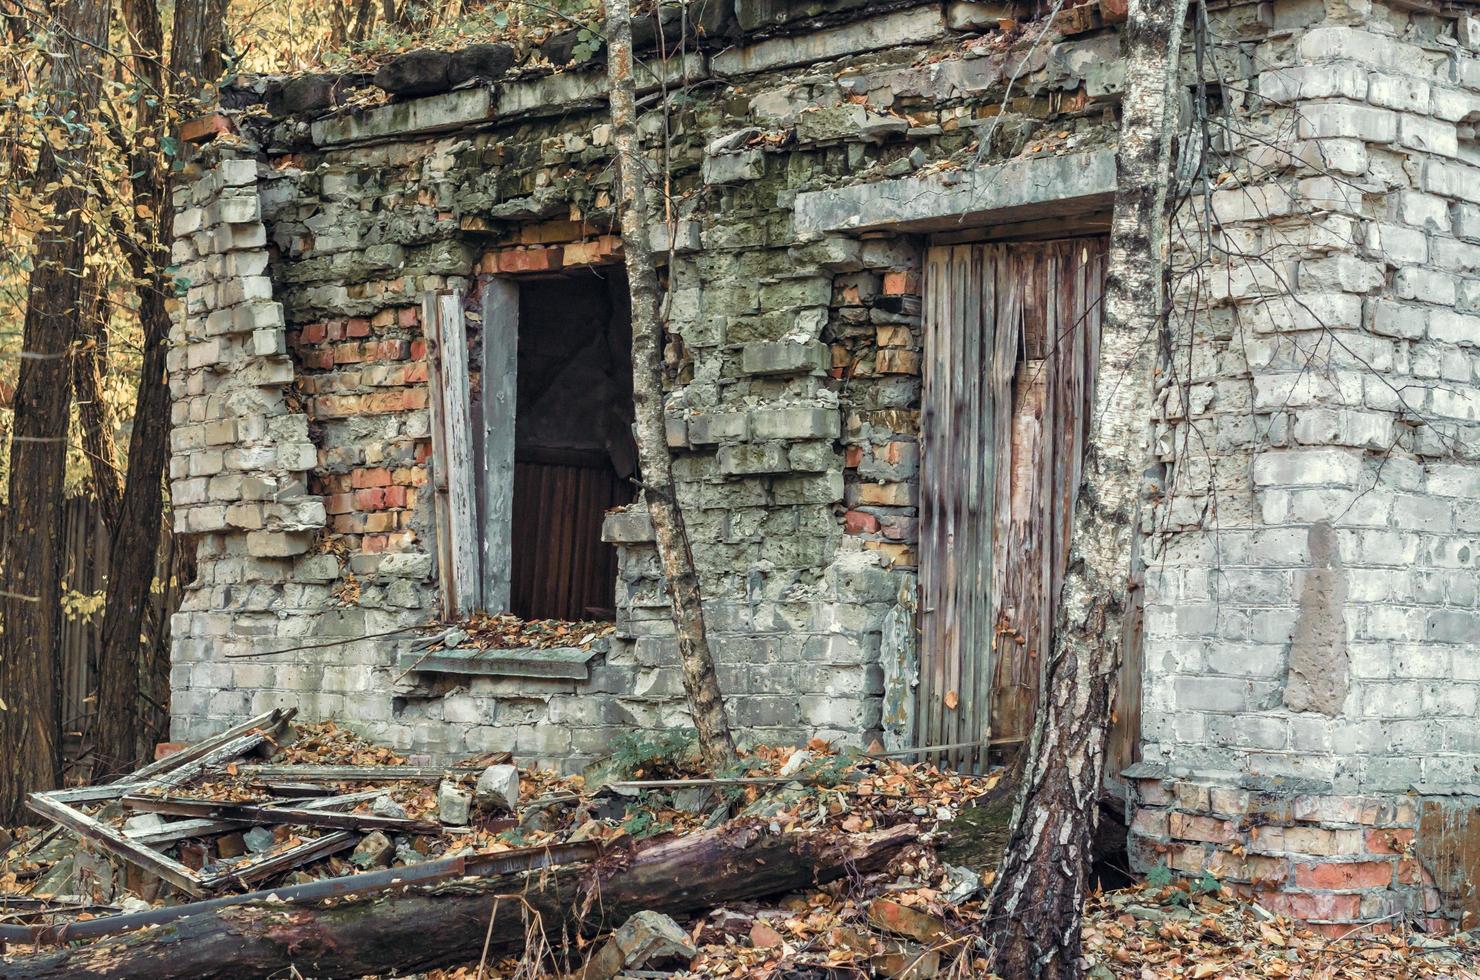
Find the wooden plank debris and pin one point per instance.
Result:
(359, 774)
(186, 829)
(275, 863)
(267, 722)
(109, 839)
(297, 816)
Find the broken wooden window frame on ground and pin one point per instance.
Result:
(209, 818)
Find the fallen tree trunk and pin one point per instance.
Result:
(416, 930)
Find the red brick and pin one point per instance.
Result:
(372, 499)
(860, 522)
(374, 476)
(333, 329)
(348, 523)
(516, 260)
(897, 360)
(1152, 823)
(1209, 829)
(1344, 875)
(163, 750)
(339, 503)
(853, 457)
(1395, 841)
(380, 521)
(357, 327)
(373, 544)
(205, 128)
(901, 284)
(395, 496)
(415, 373)
(1411, 872)
(312, 333)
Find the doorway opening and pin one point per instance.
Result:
(574, 455)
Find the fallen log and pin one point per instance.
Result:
(419, 929)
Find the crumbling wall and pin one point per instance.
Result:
(795, 363)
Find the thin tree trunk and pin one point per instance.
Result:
(705, 703)
(1037, 903)
(31, 582)
(121, 737)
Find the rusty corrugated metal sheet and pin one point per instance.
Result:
(1011, 338)
(562, 569)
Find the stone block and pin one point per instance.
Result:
(782, 357)
(753, 459)
(794, 423)
(278, 544)
(734, 168)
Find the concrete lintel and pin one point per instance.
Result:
(468, 108)
(434, 114)
(1019, 190)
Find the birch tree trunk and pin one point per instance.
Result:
(700, 683)
(30, 757)
(1037, 903)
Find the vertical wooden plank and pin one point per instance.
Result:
(499, 399)
(936, 286)
(440, 514)
(984, 545)
(462, 503)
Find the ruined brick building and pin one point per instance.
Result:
(402, 384)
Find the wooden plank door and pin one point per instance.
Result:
(1011, 339)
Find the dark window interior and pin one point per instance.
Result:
(573, 451)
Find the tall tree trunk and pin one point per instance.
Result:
(677, 558)
(122, 735)
(1037, 903)
(89, 366)
(31, 582)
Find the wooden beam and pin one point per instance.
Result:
(499, 398)
(111, 840)
(271, 864)
(353, 774)
(297, 816)
(186, 829)
(466, 583)
(441, 514)
(267, 722)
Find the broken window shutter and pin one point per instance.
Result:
(453, 480)
(499, 374)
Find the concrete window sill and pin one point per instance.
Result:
(563, 663)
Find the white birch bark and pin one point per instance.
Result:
(1036, 908)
